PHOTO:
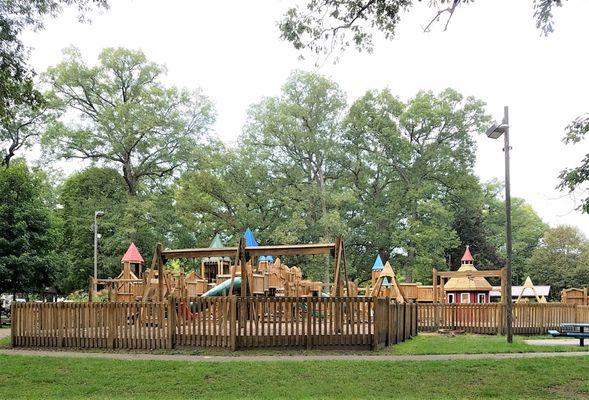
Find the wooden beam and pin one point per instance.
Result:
(291, 249)
(199, 253)
(337, 289)
(243, 267)
(435, 285)
(473, 274)
(160, 273)
(276, 251)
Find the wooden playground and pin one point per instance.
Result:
(243, 297)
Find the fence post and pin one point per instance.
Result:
(111, 326)
(389, 321)
(171, 322)
(309, 334)
(413, 319)
(13, 323)
(232, 323)
(376, 328)
(60, 324)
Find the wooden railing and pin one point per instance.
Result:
(227, 322)
(489, 318)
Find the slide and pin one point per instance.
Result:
(189, 312)
(223, 288)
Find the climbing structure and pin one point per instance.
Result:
(246, 269)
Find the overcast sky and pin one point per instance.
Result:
(491, 50)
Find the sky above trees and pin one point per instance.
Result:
(495, 55)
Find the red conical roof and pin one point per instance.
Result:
(467, 256)
(132, 255)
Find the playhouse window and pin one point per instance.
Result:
(465, 297)
(480, 298)
(451, 298)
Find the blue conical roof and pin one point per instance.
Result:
(378, 265)
(250, 240)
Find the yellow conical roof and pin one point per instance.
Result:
(467, 283)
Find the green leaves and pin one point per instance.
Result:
(25, 232)
(560, 260)
(331, 26)
(125, 117)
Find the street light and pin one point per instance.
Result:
(494, 132)
(97, 214)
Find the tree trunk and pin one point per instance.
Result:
(130, 179)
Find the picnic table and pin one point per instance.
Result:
(579, 334)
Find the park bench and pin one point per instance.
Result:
(580, 334)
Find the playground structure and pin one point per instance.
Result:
(254, 301)
(466, 284)
(254, 271)
(575, 296)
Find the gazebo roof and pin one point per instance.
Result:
(466, 283)
(132, 255)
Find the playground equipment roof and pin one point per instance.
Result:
(516, 291)
(132, 255)
(216, 243)
(468, 283)
(378, 265)
(467, 256)
(250, 240)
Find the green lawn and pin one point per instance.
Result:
(471, 344)
(66, 378)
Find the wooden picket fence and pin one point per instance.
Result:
(226, 322)
(489, 318)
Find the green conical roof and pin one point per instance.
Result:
(216, 243)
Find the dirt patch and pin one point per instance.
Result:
(571, 390)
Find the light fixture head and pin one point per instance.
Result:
(495, 131)
(98, 213)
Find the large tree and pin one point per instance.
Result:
(22, 128)
(296, 135)
(25, 232)
(561, 260)
(16, 77)
(81, 195)
(325, 26)
(125, 116)
(526, 225)
(406, 160)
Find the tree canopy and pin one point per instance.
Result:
(26, 240)
(327, 26)
(561, 260)
(125, 116)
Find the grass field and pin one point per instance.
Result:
(422, 344)
(67, 378)
(472, 344)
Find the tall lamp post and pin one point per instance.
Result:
(97, 214)
(494, 132)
